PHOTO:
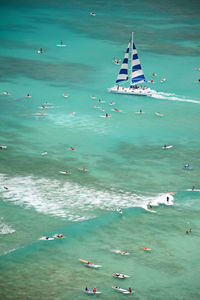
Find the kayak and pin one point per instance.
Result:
(118, 275)
(91, 292)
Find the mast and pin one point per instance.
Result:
(132, 37)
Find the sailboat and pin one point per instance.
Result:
(136, 76)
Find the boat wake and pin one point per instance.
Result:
(171, 97)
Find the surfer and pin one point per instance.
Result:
(28, 96)
(140, 111)
(106, 115)
(193, 188)
(61, 42)
(130, 290)
(86, 288)
(94, 290)
(165, 146)
(167, 199)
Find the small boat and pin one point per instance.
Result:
(136, 76)
(121, 276)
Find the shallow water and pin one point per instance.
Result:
(127, 166)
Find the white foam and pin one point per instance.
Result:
(5, 228)
(172, 97)
(71, 200)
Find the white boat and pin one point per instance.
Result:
(136, 76)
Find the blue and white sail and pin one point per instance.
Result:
(123, 73)
(137, 75)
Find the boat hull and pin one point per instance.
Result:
(131, 91)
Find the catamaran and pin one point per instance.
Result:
(136, 76)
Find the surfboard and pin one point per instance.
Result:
(193, 190)
(104, 117)
(91, 292)
(65, 172)
(65, 95)
(167, 147)
(92, 266)
(93, 14)
(119, 110)
(121, 276)
(146, 249)
(140, 113)
(159, 114)
(118, 289)
(151, 210)
(127, 292)
(84, 170)
(3, 147)
(44, 238)
(61, 45)
(188, 168)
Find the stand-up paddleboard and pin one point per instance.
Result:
(167, 147)
(146, 248)
(3, 147)
(45, 238)
(65, 172)
(91, 292)
(121, 276)
(188, 168)
(159, 114)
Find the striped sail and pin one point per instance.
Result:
(137, 75)
(123, 73)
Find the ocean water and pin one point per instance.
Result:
(127, 167)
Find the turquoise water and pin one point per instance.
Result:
(127, 166)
